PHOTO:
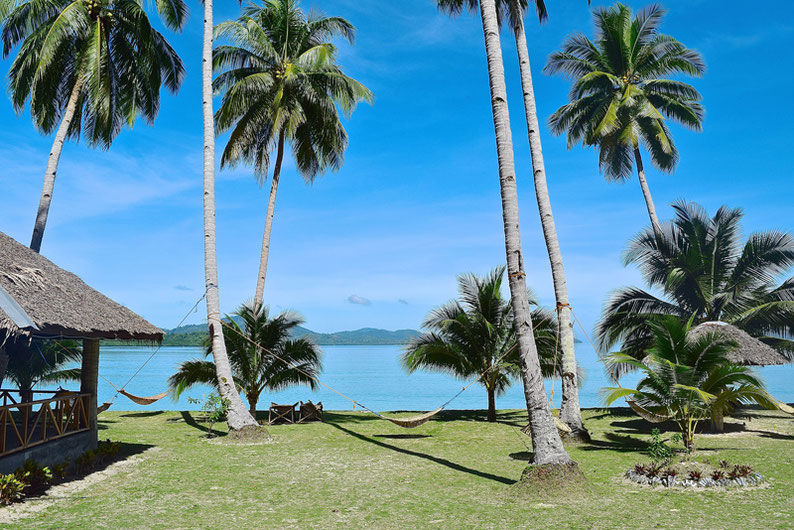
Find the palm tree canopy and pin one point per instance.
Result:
(279, 76)
(689, 375)
(251, 348)
(108, 49)
(41, 362)
(707, 272)
(476, 333)
(510, 12)
(622, 89)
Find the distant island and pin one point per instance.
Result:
(195, 334)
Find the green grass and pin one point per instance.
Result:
(457, 471)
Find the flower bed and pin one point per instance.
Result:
(694, 475)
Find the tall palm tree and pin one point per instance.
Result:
(281, 84)
(512, 13)
(254, 368)
(621, 96)
(90, 65)
(238, 418)
(706, 272)
(689, 379)
(474, 336)
(546, 442)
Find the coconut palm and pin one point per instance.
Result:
(548, 448)
(704, 271)
(621, 96)
(512, 14)
(281, 84)
(239, 420)
(475, 337)
(88, 67)
(40, 361)
(251, 347)
(689, 379)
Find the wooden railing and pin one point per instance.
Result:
(27, 424)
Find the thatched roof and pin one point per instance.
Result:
(751, 351)
(58, 303)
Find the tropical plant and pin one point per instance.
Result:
(238, 418)
(705, 272)
(38, 361)
(262, 355)
(474, 336)
(281, 84)
(512, 13)
(621, 95)
(547, 445)
(688, 380)
(11, 489)
(88, 67)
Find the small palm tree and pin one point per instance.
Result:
(475, 336)
(705, 272)
(688, 380)
(250, 347)
(281, 84)
(40, 362)
(621, 95)
(88, 67)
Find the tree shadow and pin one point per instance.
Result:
(424, 456)
(191, 421)
(402, 436)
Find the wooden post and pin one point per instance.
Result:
(89, 378)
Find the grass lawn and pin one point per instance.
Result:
(455, 471)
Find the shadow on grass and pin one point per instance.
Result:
(141, 414)
(191, 421)
(402, 436)
(440, 461)
(513, 418)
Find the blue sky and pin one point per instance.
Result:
(379, 243)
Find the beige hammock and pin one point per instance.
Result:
(143, 400)
(410, 423)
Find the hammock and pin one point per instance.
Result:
(410, 423)
(646, 414)
(146, 400)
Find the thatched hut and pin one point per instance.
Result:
(38, 299)
(750, 351)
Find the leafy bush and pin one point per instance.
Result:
(670, 472)
(724, 464)
(85, 461)
(59, 470)
(11, 488)
(718, 474)
(215, 407)
(658, 449)
(33, 475)
(695, 475)
(106, 449)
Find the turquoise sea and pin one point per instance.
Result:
(371, 375)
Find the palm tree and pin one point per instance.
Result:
(251, 348)
(621, 97)
(31, 363)
(475, 337)
(90, 65)
(512, 12)
(705, 272)
(281, 83)
(239, 420)
(547, 445)
(689, 379)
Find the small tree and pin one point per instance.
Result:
(688, 380)
(40, 361)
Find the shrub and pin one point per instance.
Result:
(640, 469)
(652, 471)
(105, 450)
(724, 464)
(85, 461)
(742, 471)
(718, 474)
(33, 475)
(695, 475)
(10, 488)
(59, 470)
(658, 449)
(670, 472)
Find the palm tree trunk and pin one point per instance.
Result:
(271, 206)
(253, 399)
(491, 404)
(570, 413)
(52, 167)
(546, 442)
(646, 191)
(238, 417)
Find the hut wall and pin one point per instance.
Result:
(52, 452)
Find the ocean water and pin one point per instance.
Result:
(371, 375)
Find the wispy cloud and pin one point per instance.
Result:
(403, 301)
(358, 300)
(182, 288)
